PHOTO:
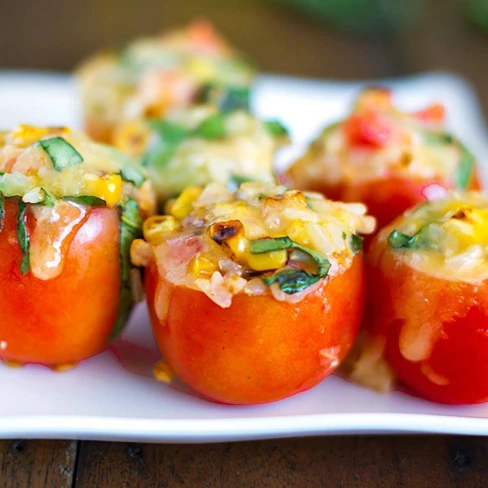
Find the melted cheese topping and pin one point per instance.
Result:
(378, 141)
(451, 237)
(152, 75)
(245, 152)
(206, 241)
(28, 170)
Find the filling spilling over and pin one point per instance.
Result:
(255, 240)
(152, 75)
(59, 177)
(201, 145)
(446, 238)
(379, 141)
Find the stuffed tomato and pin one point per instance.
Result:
(254, 294)
(203, 144)
(151, 76)
(69, 210)
(387, 159)
(428, 298)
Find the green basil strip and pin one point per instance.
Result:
(235, 181)
(291, 280)
(399, 240)
(48, 199)
(211, 128)
(464, 168)
(61, 153)
(130, 229)
(23, 238)
(87, 200)
(227, 99)
(276, 128)
(356, 243)
(2, 209)
(132, 174)
(466, 162)
(170, 137)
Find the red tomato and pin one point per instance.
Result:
(434, 114)
(369, 128)
(442, 355)
(68, 318)
(387, 198)
(259, 349)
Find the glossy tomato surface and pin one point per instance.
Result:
(387, 198)
(259, 349)
(67, 318)
(435, 329)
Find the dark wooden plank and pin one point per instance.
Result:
(58, 34)
(37, 464)
(335, 462)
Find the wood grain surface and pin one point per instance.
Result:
(57, 35)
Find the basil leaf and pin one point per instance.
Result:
(235, 181)
(61, 153)
(23, 238)
(169, 132)
(292, 280)
(130, 229)
(2, 209)
(464, 168)
(276, 128)
(227, 99)
(356, 243)
(466, 162)
(399, 240)
(87, 200)
(212, 127)
(132, 174)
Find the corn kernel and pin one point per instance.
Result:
(202, 266)
(155, 227)
(183, 205)
(298, 233)
(26, 135)
(162, 372)
(268, 260)
(238, 245)
(132, 138)
(201, 69)
(110, 189)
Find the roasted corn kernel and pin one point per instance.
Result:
(202, 266)
(155, 227)
(183, 205)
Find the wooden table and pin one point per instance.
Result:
(56, 35)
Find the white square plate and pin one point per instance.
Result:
(112, 396)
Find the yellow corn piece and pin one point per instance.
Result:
(162, 372)
(238, 245)
(132, 138)
(183, 205)
(268, 260)
(25, 135)
(155, 227)
(202, 266)
(109, 188)
(298, 233)
(202, 69)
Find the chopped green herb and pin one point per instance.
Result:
(227, 99)
(291, 281)
(48, 199)
(2, 209)
(169, 132)
(356, 243)
(130, 229)
(276, 128)
(132, 174)
(399, 240)
(235, 181)
(212, 127)
(23, 238)
(344, 235)
(61, 153)
(87, 200)
(466, 163)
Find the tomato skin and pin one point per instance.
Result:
(389, 197)
(68, 318)
(259, 349)
(456, 370)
